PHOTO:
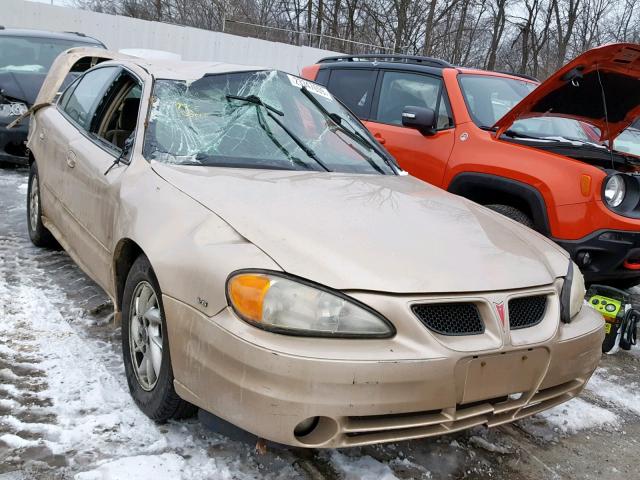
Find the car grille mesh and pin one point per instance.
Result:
(450, 318)
(526, 312)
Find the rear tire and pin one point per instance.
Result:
(512, 213)
(145, 347)
(38, 233)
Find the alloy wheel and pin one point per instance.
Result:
(145, 335)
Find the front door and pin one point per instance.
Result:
(90, 188)
(424, 156)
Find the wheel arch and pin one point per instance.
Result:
(125, 253)
(487, 189)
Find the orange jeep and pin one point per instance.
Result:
(537, 153)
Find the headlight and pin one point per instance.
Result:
(273, 302)
(12, 109)
(614, 190)
(572, 295)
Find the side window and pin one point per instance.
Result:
(82, 102)
(355, 88)
(402, 89)
(117, 116)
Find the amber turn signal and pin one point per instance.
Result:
(247, 292)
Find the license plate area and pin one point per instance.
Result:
(494, 376)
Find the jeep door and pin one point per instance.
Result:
(422, 155)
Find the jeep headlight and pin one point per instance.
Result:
(296, 307)
(572, 294)
(615, 190)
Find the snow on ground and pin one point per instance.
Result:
(578, 414)
(619, 393)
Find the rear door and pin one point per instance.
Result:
(424, 156)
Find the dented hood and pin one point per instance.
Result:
(576, 91)
(370, 232)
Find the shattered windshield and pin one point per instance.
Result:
(263, 119)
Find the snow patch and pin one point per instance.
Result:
(578, 414)
(146, 467)
(624, 396)
(360, 468)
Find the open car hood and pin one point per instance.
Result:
(576, 91)
(372, 232)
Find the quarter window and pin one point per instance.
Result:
(89, 91)
(354, 87)
(402, 89)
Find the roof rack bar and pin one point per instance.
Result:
(384, 57)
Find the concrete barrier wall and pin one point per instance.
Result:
(118, 32)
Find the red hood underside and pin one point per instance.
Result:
(579, 90)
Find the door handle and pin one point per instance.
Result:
(379, 138)
(71, 159)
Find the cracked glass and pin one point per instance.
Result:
(258, 119)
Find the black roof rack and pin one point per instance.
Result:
(385, 57)
(521, 75)
(80, 34)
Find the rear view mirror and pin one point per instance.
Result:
(422, 119)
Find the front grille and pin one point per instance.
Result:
(450, 318)
(525, 312)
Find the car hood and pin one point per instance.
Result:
(21, 86)
(576, 91)
(372, 232)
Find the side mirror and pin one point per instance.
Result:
(422, 119)
(128, 146)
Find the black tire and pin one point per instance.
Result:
(160, 402)
(512, 213)
(38, 233)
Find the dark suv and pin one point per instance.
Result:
(25, 58)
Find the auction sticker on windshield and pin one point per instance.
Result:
(312, 87)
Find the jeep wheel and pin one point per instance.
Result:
(38, 233)
(512, 213)
(145, 347)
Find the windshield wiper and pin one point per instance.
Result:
(257, 101)
(263, 124)
(305, 148)
(353, 134)
(515, 134)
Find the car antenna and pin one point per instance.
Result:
(606, 117)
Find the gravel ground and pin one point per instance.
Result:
(65, 410)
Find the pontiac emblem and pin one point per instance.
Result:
(500, 310)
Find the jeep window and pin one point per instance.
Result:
(32, 54)
(402, 89)
(355, 88)
(258, 119)
(489, 98)
(81, 104)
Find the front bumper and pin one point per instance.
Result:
(372, 391)
(614, 255)
(12, 142)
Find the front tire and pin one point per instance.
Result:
(38, 233)
(145, 347)
(512, 213)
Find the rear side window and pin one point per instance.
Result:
(80, 105)
(402, 89)
(354, 88)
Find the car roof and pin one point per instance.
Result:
(180, 69)
(433, 66)
(71, 36)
